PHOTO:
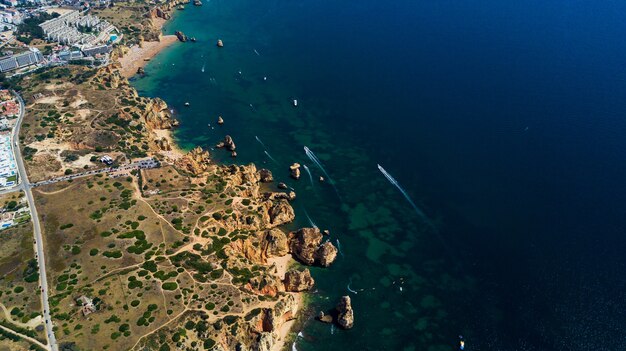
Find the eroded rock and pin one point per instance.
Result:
(296, 280)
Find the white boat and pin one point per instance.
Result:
(295, 102)
(186, 104)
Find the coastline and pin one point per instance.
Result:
(138, 57)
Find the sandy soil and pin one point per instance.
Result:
(48, 100)
(138, 57)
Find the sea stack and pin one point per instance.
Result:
(220, 44)
(220, 120)
(295, 170)
(345, 317)
(181, 36)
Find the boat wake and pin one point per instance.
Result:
(257, 53)
(260, 142)
(350, 289)
(309, 172)
(339, 248)
(332, 329)
(270, 156)
(317, 162)
(393, 181)
(252, 107)
(310, 220)
(202, 69)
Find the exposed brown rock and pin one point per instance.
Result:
(345, 317)
(295, 170)
(326, 254)
(163, 144)
(305, 245)
(227, 143)
(195, 161)
(276, 243)
(265, 175)
(281, 212)
(324, 318)
(181, 36)
(157, 115)
(296, 281)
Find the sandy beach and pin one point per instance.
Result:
(139, 56)
(282, 265)
(176, 151)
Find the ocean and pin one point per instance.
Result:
(501, 121)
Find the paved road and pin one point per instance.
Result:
(24, 185)
(143, 164)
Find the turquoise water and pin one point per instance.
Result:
(502, 121)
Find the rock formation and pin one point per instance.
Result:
(163, 144)
(281, 212)
(295, 170)
(140, 70)
(306, 245)
(195, 161)
(324, 318)
(345, 314)
(296, 281)
(181, 36)
(265, 175)
(228, 143)
(157, 115)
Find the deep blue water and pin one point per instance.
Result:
(503, 120)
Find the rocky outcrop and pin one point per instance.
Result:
(278, 196)
(195, 161)
(281, 212)
(326, 254)
(265, 175)
(181, 36)
(296, 281)
(277, 244)
(295, 170)
(306, 245)
(345, 314)
(163, 144)
(140, 70)
(158, 12)
(157, 115)
(228, 144)
(324, 317)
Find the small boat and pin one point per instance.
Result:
(186, 104)
(197, 3)
(295, 102)
(181, 7)
(193, 39)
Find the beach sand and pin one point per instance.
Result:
(282, 265)
(176, 151)
(139, 56)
